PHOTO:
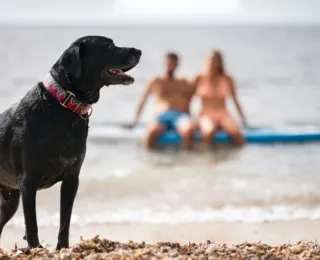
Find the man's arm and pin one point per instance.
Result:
(144, 98)
(194, 83)
(236, 101)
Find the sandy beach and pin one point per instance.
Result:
(272, 233)
(274, 240)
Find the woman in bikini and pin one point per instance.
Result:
(214, 87)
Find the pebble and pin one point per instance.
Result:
(93, 257)
(174, 254)
(296, 249)
(211, 249)
(99, 249)
(65, 256)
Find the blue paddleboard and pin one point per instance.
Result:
(262, 135)
(252, 136)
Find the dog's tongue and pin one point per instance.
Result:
(120, 72)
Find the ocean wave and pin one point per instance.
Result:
(179, 216)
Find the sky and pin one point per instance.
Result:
(124, 12)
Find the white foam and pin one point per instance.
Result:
(183, 215)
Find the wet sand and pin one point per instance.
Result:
(272, 233)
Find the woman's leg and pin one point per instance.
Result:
(208, 128)
(229, 125)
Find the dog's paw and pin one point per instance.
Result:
(27, 250)
(24, 250)
(61, 246)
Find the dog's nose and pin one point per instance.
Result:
(136, 51)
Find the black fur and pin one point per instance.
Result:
(42, 143)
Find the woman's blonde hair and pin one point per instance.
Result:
(217, 67)
(217, 62)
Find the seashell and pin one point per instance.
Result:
(65, 256)
(211, 249)
(296, 249)
(93, 257)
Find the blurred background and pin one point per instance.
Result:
(271, 48)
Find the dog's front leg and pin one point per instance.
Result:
(69, 189)
(28, 190)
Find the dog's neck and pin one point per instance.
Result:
(66, 98)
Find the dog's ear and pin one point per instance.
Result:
(72, 59)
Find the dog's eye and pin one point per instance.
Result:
(106, 46)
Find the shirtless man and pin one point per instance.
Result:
(173, 97)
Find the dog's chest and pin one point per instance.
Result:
(55, 152)
(60, 168)
(62, 151)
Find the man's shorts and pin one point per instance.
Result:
(173, 119)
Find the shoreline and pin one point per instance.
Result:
(272, 233)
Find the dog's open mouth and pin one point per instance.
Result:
(118, 76)
(115, 72)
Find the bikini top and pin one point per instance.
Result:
(207, 91)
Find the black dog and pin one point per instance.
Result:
(43, 137)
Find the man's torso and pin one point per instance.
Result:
(172, 94)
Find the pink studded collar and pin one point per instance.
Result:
(66, 98)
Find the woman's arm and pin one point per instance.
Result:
(236, 101)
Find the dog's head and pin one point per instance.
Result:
(92, 62)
